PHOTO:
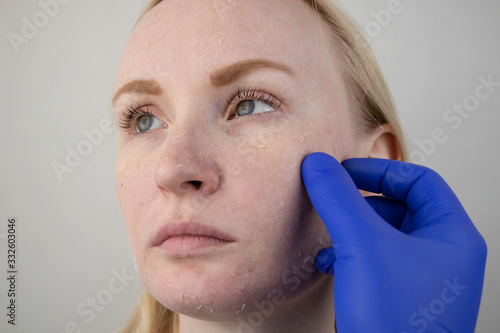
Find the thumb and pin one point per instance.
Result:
(344, 211)
(325, 261)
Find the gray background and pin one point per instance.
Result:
(71, 241)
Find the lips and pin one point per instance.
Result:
(189, 239)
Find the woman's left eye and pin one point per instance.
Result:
(147, 122)
(249, 106)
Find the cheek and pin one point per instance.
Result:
(283, 231)
(135, 188)
(273, 201)
(271, 182)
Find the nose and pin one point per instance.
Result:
(185, 166)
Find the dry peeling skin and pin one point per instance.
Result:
(252, 164)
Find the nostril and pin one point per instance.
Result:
(196, 184)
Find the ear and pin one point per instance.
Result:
(382, 143)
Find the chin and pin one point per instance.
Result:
(207, 296)
(225, 291)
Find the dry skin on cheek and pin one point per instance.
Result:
(135, 151)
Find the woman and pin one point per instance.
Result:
(219, 103)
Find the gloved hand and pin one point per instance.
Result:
(408, 261)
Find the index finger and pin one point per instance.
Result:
(421, 188)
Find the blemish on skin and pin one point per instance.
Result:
(300, 138)
(263, 146)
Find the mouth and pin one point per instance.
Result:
(189, 239)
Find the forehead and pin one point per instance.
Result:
(194, 37)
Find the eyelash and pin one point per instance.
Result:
(134, 111)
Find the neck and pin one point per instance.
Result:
(311, 312)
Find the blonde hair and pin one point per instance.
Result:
(371, 104)
(150, 316)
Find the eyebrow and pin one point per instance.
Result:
(147, 87)
(234, 71)
(221, 77)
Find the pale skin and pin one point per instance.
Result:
(241, 175)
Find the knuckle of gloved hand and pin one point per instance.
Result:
(475, 244)
(481, 247)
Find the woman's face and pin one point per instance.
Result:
(228, 97)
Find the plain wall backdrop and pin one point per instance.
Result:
(74, 265)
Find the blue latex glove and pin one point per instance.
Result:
(411, 261)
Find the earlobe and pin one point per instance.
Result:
(382, 143)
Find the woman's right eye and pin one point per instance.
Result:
(147, 122)
(249, 106)
(139, 120)
(251, 101)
